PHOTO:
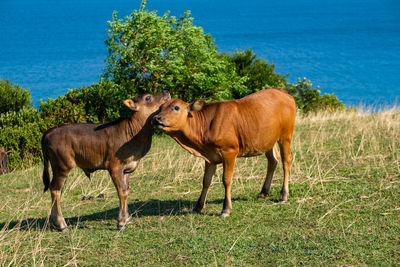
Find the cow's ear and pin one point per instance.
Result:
(197, 105)
(130, 104)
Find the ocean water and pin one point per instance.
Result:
(347, 47)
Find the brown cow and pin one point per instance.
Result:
(3, 161)
(222, 131)
(117, 147)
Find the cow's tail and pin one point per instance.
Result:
(276, 153)
(46, 175)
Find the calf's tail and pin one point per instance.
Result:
(46, 175)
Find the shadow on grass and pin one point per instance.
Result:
(137, 209)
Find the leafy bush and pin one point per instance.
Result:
(13, 97)
(64, 109)
(258, 73)
(21, 133)
(309, 99)
(96, 103)
(149, 53)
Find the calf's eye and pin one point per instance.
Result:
(176, 108)
(147, 98)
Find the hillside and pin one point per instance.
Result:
(343, 207)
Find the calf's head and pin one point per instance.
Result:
(174, 114)
(147, 104)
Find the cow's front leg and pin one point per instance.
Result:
(209, 172)
(228, 165)
(121, 182)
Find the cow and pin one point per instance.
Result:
(116, 146)
(220, 132)
(3, 161)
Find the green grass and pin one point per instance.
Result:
(343, 209)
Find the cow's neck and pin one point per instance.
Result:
(192, 136)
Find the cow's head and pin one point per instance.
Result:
(147, 103)
(174, 114)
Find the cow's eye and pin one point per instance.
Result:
(176, 108)
(147, 98)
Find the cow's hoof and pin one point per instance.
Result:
(122, 225)
(284, 197)
(261, 196)
(224, 214)
(128, 221)
(64, 230)
(58, 228)
(197, 210)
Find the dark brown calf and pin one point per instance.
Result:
(3, 161)
(222, 131)
(117, 147)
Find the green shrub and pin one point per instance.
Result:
(104, 101)
(309, 99)
(13, 97)
(64, 109)
(21, 133)
(258, 73)
(150, 53)
(96, 103)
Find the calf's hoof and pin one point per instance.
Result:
(122, 225)
(261, 196)
(224, 214)
(284, 197)
(121, 228)
(197, 209)
(64, 230)
(59, 228)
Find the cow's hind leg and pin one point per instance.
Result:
(286, 156)
(229, 160)
(56, 218)
(121, 182)
(209, 172)
(272, 162)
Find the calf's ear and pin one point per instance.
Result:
(130, 104)
(197, 105)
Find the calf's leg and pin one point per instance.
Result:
(228, 165)
(209, 172)
(56, 218)
(121, 182)
(272, 162)
(287, 161)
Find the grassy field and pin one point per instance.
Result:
(343, 209)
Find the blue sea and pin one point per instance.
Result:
(347, 47)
